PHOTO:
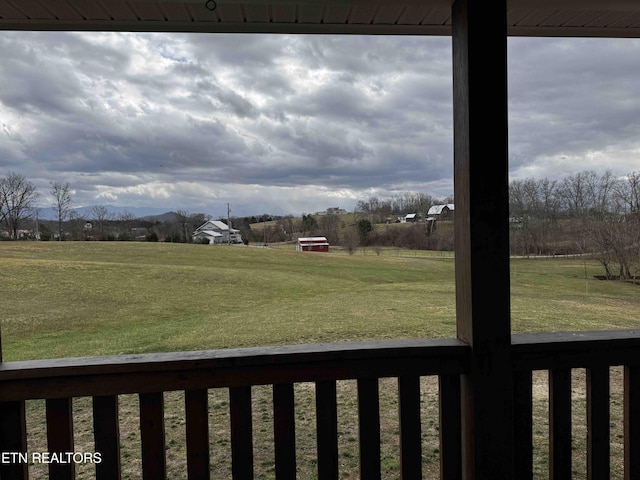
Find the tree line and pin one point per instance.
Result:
(18, 197)
(380, 210)
(585, 212)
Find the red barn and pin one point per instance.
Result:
(312, 244)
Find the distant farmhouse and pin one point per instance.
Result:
(409, 218)
(441, 212)
(332, 211)
(312, 244)
(215, 232)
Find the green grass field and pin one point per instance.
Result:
(77, 299)
(95, 298)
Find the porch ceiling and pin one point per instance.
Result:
(542, 18)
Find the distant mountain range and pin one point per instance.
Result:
(145, 213)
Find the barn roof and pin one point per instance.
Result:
(437, 209)
(312, 239)
(542, 18)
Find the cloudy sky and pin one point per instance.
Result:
(292, 124)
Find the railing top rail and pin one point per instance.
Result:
(542, 351)
(575, 337)
(109, 375)
(233, 367)
(237, 357)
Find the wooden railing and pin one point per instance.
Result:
(559, 354)
(149, 376)
(104, 378)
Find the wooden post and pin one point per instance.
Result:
(482, 235)
(59, 413)
(13, 438)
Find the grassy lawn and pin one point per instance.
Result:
(90, 298)
(76, 299)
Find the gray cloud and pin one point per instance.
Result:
(274, 121)
(573, 97)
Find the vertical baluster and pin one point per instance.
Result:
(241, 433)
(450, 427)
(13, 438)
(410, 428)
(60, 436)
(284, 431)
(560, 424)
(523, 425)
(369, 427)
(106, 432)
(598, 417)
(152, 436)
(197, 429)
(327, 430)
(631, 422)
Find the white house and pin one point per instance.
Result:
(216, 232)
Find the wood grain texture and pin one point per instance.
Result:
(284, 431)
(13, 438)
(560, 424)
(481, 189)
(410, 427)
(327, 429)
(106, 431)
(450, 427)
(598, 418)
(197, 430)
(228, 368)
(523, 425)
(59, 416)
(241, 433)
(369, 428)
(152, 436)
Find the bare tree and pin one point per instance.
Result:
(197, 219)
(586, 193)
(574, 191)
(61, 193)
(330, 227)
(603, 188)
(17, 196)
(126, 216)
(350, 241)
(614, 241)
(183, 220)
(100, 215)
(534, 206)
(627, 193)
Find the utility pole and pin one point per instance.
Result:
(37, 225)
(229, 224)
